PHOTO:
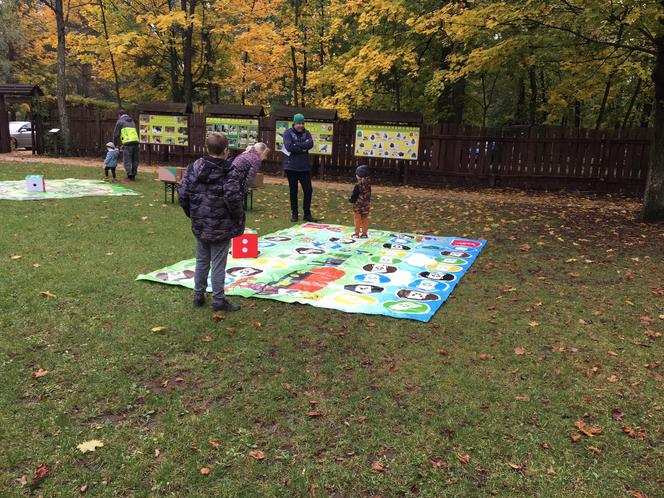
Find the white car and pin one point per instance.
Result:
(21, 134)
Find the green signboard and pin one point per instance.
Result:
(240, 132)
(321, 132)
(163, 129)
(393, 142)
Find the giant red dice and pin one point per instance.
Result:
(245, 246)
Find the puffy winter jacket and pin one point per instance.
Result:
(298, 144)
(212, 194)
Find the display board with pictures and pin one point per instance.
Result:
(321, 132)
(386, 141)
(240, 132)
(163, 129)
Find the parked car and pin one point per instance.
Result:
(21, 134)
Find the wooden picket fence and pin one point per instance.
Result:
(542, 157)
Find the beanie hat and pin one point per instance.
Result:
(362, 170)
(111, 145)
(298, 118)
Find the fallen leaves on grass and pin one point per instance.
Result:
(207, 338)
(257, 454)
(377, 467)
(91, 445)
(83, 489)
(205, 470)
(463, 458)
(47, 294)
(16, 257)
(439, 464)
(314, 414)
(39, 373)
(588, 431)
(42, 471)
(485, 356)
(521, 351)
(157, 330)
(217, 317)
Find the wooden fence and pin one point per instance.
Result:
(543, 157)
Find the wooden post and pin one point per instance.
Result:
(5, 144)
(182, 157)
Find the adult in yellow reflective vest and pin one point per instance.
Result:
(126, 136)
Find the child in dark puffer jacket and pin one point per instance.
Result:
(361, 200)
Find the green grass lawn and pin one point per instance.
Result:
(557, 325)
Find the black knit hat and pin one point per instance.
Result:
(362, 170)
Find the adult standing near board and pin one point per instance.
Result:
(126, 136)
(297, 143)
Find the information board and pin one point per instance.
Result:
(164, 129)
(321, 132)
(393, 142)
(241, 132)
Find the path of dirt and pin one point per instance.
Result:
(551, 199)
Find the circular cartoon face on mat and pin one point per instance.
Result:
(243, 271)
(455, 254)
(309, 250)
(355, 299)
(444, 267)
(402, 236)
(277, 238)
(429, 285)
(380, 268)
(397, 247)
(409, 307)
(372, 278)
(174, 276)
(449, 260)
(438, 275)
(364, 289)
(385, 260)
(342, 241)
(416, 295)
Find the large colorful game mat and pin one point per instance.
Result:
(401, 275)
(62, 189)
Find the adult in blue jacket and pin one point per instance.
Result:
(297, 143)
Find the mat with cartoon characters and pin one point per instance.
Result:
(401, 275)
(62, 189)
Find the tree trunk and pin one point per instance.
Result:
(577, 114)
(303, 85)
(602, 107)
(187, 43)
(210, 61)
(533, 96)
(653, 202)
(61, 91)
(458, 100)
(631, 104)
(520, 117)
(115, 71)
(294, 62)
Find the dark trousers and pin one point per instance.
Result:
(304, 178)
(130, 159)
(107, 169)
(213, 255)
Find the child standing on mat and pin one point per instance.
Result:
(111, 159)
(212, 194)
(361, 200)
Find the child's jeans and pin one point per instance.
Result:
(211, 254)
(106, 168)
(361, 223)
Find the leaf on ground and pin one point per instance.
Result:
(214, 443)
(617, 415)
(612, 378)
(205, 470)
(257, 454)
(23, 480)
(517, 466)
(16, 257)
(91, 445)
(157, 330)
(47, 294)
(207, 338)
(42, 471)
(484, 356)
(439, 464)
(588, 431)
(521, 351)
(39, 373)
(217, 317)
(463, 458)
(314, 414)
(377, 467)
(83, 489)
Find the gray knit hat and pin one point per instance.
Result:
(362, 170)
